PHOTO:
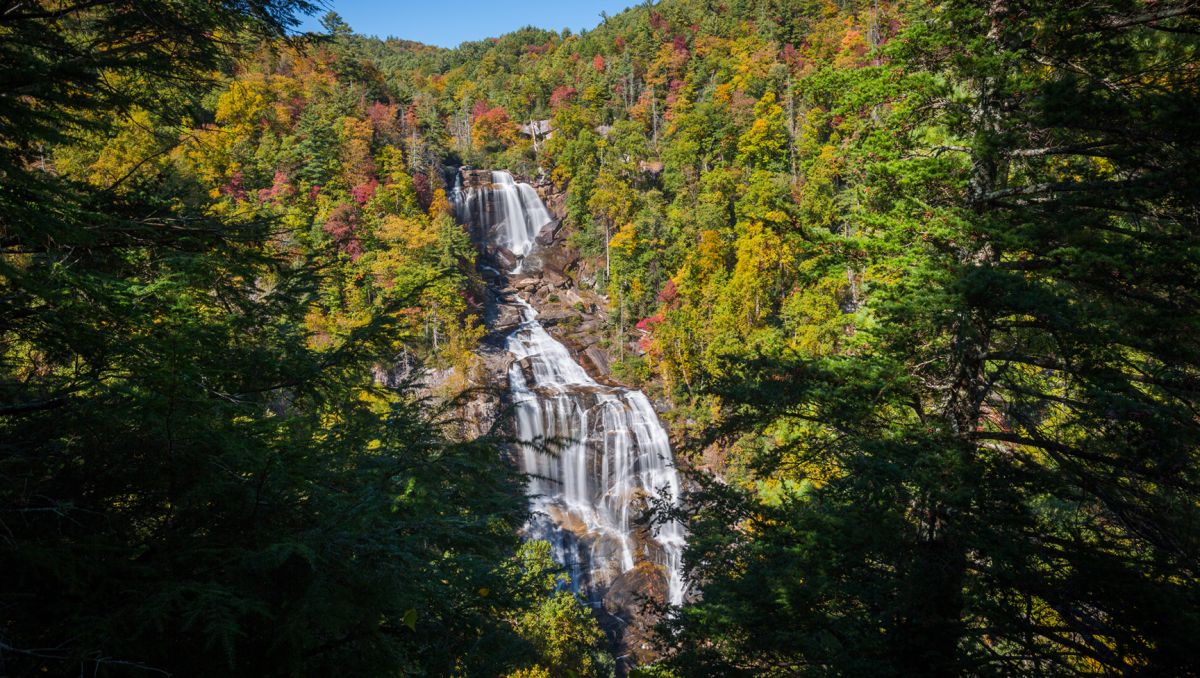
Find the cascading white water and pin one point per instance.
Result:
(511, 211)
(610, 453)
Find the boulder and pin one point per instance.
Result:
(556, 259)
(653, 168)
(504, 318)
(556, 202)
(598, 359)
(556, 279)
(589, 331)
(536, 128)
(527, 283)
(504, 257)
(551, 316)
(549, 232)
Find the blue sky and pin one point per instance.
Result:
(451, 22)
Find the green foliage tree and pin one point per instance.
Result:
(193, 480)
(764, 144)
(562, 629)
(984, 478)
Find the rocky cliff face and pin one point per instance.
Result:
(549, 279)
(554, 279)
(622, 563)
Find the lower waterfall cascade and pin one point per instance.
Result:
(596, 454)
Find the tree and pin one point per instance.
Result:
(335, 25)
(563, 630)
(492, 129)
(613, 201)
(765, 144)
(993, 475)
(192, 481)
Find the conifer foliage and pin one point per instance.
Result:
(916, 282)
(1000, 476)
(202, 472)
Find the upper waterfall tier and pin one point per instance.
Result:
(510, 213)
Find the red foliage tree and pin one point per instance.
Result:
(364, 192)
(384, 120)
(343, 226)
(423, 187)
(280, 188)
(234, 188)
(659, 22)
(562, 95)
(669, 293)
(648, 324)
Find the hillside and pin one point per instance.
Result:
(911, 286)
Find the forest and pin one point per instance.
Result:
(913, 286)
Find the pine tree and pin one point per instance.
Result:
(1009, 444)
(191, 484)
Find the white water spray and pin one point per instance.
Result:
(610, 452)
(512, 212)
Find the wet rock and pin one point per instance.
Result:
(534, 262)
(504, 318)
(549, 232)
(631, 599)
(598, 361)
(505, 258)
(491, 275)
(474, 178)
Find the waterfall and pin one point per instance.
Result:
(510, 213)
(614, 453)
(610, 452)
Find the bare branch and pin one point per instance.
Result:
(1191, 9)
